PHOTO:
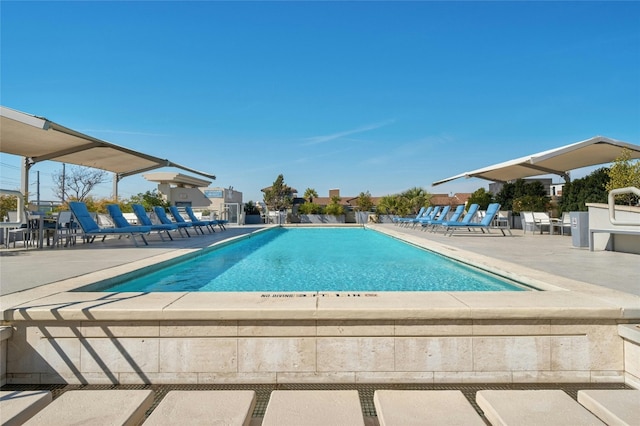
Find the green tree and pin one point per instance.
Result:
(251, 209)
(519, 188)
(364, 203)
(482, 197)
(417, 198)
(7, 203)
(334, 207)
(148, 199)
(309, 208)
(589, 189)
(279, 196)
(622, 174)
(394, 205)
(531, 203)
(310, 194)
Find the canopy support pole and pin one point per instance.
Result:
(24, 177)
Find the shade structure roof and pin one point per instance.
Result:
(177, 179)
(591, 152)
(39, 139)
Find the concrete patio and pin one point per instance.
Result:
(580, 331)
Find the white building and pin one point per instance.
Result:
(182, 190)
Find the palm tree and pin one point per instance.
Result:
(394, 205)
(417, 198)
(310, 194)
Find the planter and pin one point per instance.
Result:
(252, 219)
(386, 218)
(516, 222)
(321, 218)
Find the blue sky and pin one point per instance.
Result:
(360, 96)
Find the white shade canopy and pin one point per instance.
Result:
(38, 139)
(559, 161)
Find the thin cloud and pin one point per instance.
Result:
(326, 138)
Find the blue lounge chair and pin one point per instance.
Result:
(91, 229)
(160, 228)
(427, 216)
(404, 221)
(485, 224)
(177, 217)
(443, 214)
(164, 219)
(210, 223)
(433, 224)
(468, 217)
(398, 220)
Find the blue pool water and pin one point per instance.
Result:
(317, 259)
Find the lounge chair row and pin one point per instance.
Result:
(122, 227)
(437, 218)
(322, 407)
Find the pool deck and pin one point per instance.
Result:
(22, 269)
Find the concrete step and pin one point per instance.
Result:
(313, 408)
(533, 408)
(424, 408)
(16, 407)
(96, 408)
(613, 406)
(232, 407)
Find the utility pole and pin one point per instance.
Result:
(63, 182)
(38, 189)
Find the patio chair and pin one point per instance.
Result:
(433, 224)
(198, 225)
(484, 225)
(562, 223)
(145, 220)
(210, 223)
(565, 223)
(91, 229)
(161, 214)
(535, 221)
(23, 228)
(65, 229)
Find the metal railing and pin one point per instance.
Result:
(612, 209)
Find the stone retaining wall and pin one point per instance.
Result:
(308, 351)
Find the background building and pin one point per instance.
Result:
(181, 190)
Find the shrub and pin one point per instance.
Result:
(309, 208)
(531, 203)
(624, 173)
(334, 208)
(589, 189)
(481, 197)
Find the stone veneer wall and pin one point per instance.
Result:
(631, 335)
(307, 351)
(5, 334)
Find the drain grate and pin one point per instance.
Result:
(365, 391)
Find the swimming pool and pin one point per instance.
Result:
(314, 260)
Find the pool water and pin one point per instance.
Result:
(316, 260)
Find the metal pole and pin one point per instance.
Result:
(24, 177)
